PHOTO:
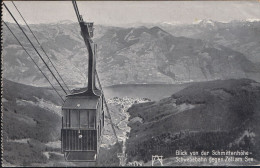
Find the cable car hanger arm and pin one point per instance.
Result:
(87, 39)
(83, 26)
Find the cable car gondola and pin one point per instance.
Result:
(83, 114)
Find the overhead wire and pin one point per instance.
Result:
(76, 10)
(33, 60)
(34, 48)
(108, 112)
(41, 46)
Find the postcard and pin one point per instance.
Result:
(130, 83)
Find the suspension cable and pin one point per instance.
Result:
(40, 46)
(33, 60)
(108, 112)
(76, 10)
(34, 47)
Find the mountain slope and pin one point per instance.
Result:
(31, 129)
(180, 58)
(125, 56)
(31, 118)
(222, 114)
(241, 36)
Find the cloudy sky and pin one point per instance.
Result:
(128, 12)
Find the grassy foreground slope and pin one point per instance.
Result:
(222, 114)
(31, 118)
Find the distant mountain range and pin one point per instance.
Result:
(160, 54)
(241, 36)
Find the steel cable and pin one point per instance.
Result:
(33, 60)
(34, 47)
(40, 46)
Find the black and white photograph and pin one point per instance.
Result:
(130, 83)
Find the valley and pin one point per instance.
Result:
(32, 122)
(143, 125)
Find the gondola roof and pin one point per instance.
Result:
(79, 99)
(79, 90)
(81, 102)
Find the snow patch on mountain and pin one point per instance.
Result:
(253, 20)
